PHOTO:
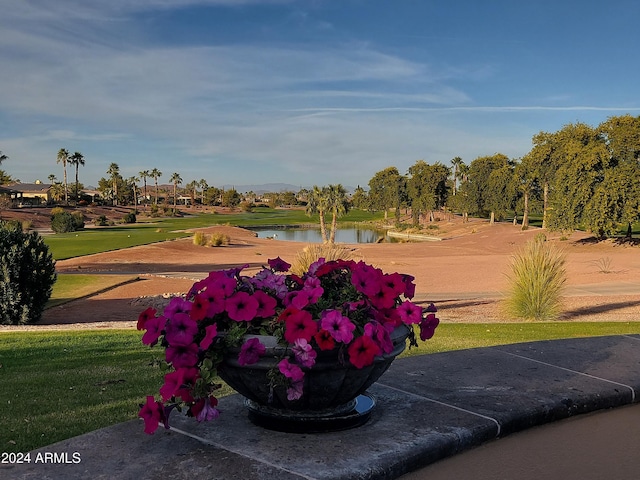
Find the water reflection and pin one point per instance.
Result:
(312, 235)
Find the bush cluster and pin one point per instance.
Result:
(63, 221)
(129, 218)
(27, 275)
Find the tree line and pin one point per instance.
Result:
(578, 177)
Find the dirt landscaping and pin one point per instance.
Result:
(465, 273)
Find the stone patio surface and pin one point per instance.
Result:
(428, 408)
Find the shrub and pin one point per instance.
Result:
(537, 279)
(129, 218)
(56, 210)
(200, 239)
(219, 239)
(62, 222)
(100, 221)
(311, 253)
(27, 275)
(78, 220)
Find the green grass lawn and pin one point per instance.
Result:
(72, 287)
(96, 240)
(59, 384)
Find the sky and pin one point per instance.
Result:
(305, 92)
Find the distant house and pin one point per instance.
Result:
(31, 194)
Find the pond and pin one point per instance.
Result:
(312, 235)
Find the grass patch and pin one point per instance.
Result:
(72, 287)
(89, 241)
(59, 384)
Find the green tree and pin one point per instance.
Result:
(338, 205)
(156, 174)
(114, 175)
(426, 188)
(3, 157)
(77, 159)
(27, 275)
(231, 198)
(144, 174)
(484, 190)
(457, 171)
(578, 181)
(502, 194)
(527, 185)
(360, 199)
(318, 202)
(176, 179)
(203, 188)
(132, 183)
(63, 157)
(387, 189)
(192, 188)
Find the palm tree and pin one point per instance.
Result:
(63, 157)
(318, 201)
(338, 204)
(457, 168)
(203, 186)
(176, 179)
(77, 159)
(192, 188)
(155, 174)
(3, 157)
(143, 175)
(114, 172)
(133, 181)
(52, 178)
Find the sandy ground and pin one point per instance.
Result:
(465, 273)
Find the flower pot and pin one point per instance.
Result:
(334, 390)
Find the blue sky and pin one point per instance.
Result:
(302, 91)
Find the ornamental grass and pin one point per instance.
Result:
(537, 280)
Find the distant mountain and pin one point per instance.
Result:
(273, 187)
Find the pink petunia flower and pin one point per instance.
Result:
(154, 327)
(182, 355)
(211, 331)
(304, 353)
(299, 324)
(152, 413)
(205, 409)
(266, 304)
(324, 340)
(241, 307)
(428, 326)
(290, 370)
(145, 316)
(294, 392)
(380, 335)
(338, 326)
(251, 351)
(177, 305)
(278, 265)
(176, 384)
(363, 351)
(180, 329)
(409, 312)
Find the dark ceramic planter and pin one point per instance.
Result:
(333, 393)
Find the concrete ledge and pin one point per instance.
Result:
(429, 407)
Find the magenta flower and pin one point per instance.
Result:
(177, 383)
(211, 331)
(304, 353)
(182, 355)
(362, 351)
(199, 307)
(380, 335)
(177, 305)
(278, 265)
(428, 326)
(409, 286)
(324, 340)
(241, 307)
(294, 392)
(180, 329)
(266, 304)
(338, 326)
(144, 317)
(205, 409)
(393, 282)
(299, 324)
(251, 351)
(152, 413)
(366, 279)
(154, 327)
(409, 312)
(290, 370)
